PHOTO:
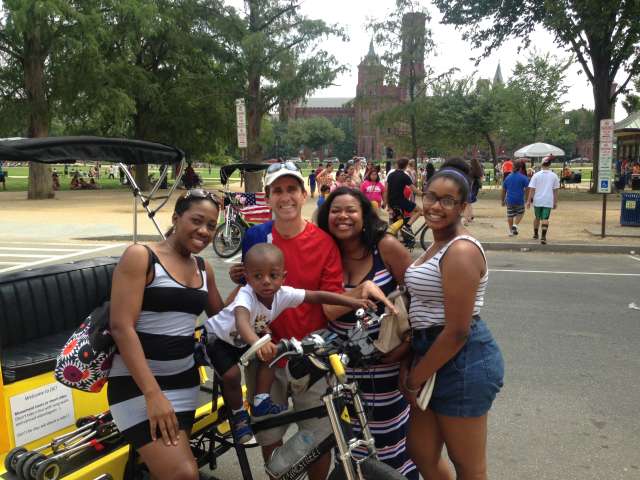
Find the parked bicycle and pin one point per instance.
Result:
(318, 355)
(227, 239)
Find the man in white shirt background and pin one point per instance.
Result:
(543, 193)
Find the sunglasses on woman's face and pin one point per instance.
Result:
(279, 166)
(199, 193)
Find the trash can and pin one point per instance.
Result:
(630, 209)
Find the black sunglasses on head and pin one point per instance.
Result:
(200, 193)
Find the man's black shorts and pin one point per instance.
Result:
(224, 356)
(405, 205)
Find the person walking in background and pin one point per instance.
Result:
(513, 196)
(397, 181)
(373, 189)
(312, 183)
(3, 176)
(325, 177)
(507, 168)
(476, 174)
(429, 171)
(543, 193)
(325, 190)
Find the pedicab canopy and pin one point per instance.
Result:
(71, 149)
(227, 170)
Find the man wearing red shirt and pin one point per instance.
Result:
(312, 262)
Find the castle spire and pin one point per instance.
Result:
(497, 78)
(371, 58)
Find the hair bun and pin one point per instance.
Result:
(457, 163)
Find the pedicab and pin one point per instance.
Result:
(50, 431)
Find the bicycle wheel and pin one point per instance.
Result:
(372, 469)
(227, 239)
(424, 243)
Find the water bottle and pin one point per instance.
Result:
(293, 450)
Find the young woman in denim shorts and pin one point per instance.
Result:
(447, 286)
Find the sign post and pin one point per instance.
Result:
(605, 157)
(241, 122)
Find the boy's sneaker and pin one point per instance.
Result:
(535, 236)
(241, 427)
(267, 407)
(543, 241)
(514, 229)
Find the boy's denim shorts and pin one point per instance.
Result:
(466, 385)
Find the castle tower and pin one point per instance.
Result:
(497, 78)
(412, 57)
(370, 73)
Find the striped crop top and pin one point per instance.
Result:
(424, 283)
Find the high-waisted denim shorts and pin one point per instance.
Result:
(466, 385)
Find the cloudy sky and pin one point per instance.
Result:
(452, 51)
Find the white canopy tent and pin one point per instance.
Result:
(536, 150)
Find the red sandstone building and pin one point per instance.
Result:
(373, 96)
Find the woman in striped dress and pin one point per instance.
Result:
(368, 254)
(158, 291)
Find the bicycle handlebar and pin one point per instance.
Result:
(314, 344)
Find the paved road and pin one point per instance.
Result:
(570, 406)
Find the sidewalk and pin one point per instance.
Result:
(107, 215)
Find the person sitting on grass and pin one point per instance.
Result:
(76, 182)
(245, 319)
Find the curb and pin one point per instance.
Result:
(560, 247)
(494, 246)
(122, 238)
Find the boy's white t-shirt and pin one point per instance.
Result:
(545, 182)
(223, 324)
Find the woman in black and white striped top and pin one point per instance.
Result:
(447, 285)
(157, 294)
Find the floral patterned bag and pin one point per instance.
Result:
(85, 361)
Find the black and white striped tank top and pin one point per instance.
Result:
(424, 283)
(167, 322)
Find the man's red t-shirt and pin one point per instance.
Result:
(312, 261)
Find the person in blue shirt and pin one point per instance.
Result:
(324, 193)
(513, 196)
(312, 183)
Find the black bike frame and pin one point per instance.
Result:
(335, 399)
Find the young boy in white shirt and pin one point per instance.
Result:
(242, 322)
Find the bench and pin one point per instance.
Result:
(575, 178)
(40, 308)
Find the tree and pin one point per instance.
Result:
(346, 148)
(162, 76)
(315, 133)
(406, 40)
(36, 39)
(631, 102)
(534, 96)
(278, 51)
(461, 113)
(603, 36)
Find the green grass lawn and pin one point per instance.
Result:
(18, 177)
